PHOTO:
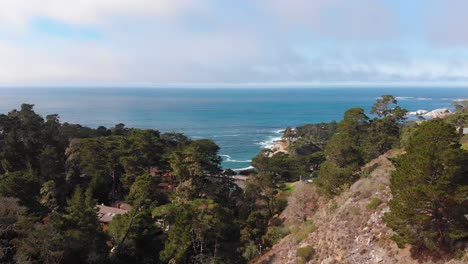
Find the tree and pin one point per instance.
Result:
(253, 229)
(144, 191)
(197, 233)
(355, 122)
(43, 243)
(134, 236)
(12, 219)
(429, 187)
(381, 107)
(461, 106)
(85, 239)
(384, 130)
(50, 195)
(22, 139)
(343, 158)
(22, 185)
(302, 202)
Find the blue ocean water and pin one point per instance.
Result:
(240, 121)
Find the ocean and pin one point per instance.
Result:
(240, 121)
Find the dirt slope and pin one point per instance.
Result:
(348, 231)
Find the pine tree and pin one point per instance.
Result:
(86, 240)
(429, 187)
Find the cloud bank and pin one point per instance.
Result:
(132, 42)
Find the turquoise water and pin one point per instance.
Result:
(241, 121)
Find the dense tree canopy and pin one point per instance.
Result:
(429, 188)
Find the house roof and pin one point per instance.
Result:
(121, 205)
(106, 213)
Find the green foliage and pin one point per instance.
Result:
(12, 219)
(50, 195)
(45, 243)
(44, 162)
(274, 234)
(374, 203)
(319, 133)
(23, 185)
(229, 172)
(199, 227)
(381, 106)
(407, 133)
(459, 119)
(343, 160)
(85, 239)
(247, 172)
(305, 253)
(304, 230)
(461, 106)
(287, 187)
(343, 153)
(429, 188)
(358, 141)
(145, 192)
(134, 236)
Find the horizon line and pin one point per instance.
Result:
(265, 85)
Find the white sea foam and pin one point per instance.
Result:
(229, 159)
(246, 168)
(404, 97)
(231, 135)
(269, 143)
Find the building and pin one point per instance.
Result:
(462, 131)
(106, 213)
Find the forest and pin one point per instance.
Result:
(184, 208)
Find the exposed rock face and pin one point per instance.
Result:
(438, 113)
(418, 112)
(280, 146)
(348, 230)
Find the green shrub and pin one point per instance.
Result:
(333, 207)
(305, 253)
(374, 203)
(275, 234)
(307, 228)
(368, 170)
(247, 172)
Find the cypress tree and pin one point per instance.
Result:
(429, 187)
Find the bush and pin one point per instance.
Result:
(275, 234)
(307, 228)
(229, 172)
(366, 172)
(247, 172)
(374, 203)
(333, 207)
(305, 253)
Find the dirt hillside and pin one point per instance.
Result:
(350, 229)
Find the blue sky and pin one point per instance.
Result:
(198, 42)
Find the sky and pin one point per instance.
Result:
(258, 42)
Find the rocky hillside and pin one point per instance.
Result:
(349, 228)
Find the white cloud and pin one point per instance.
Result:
(339, 19)
(91, 12)
(188, 41)
(446, 22)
